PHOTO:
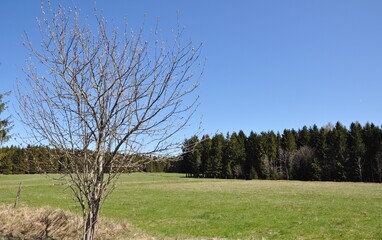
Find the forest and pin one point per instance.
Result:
(329, 153)
(38, 159)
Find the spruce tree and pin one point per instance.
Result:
(205, 149)
(217, 155)
(303, 137)
(372, 139)
(357, 151)
(271, 152)
(252, 157)
(288, 149)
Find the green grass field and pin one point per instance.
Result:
(171, 206)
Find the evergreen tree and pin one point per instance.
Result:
(236, 155)
(377, 171)
(191, 157)
(303, 138)
(357, 151)
(331, 153)
(263, 165)
(241, 154)
(19, 161)
(314, 133)
(270, 161)
(336, 153)
(5, 126)
(229, 154)
(320, 146)
(287, 151)
(217, 155)
(372, 139)
(206, 162)
(252, 160)
(6, 165)
(303, 164)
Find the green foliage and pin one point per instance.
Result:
(357, 151)
(330, 153)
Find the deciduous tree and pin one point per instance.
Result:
(98, 96)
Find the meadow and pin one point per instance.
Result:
(170, 206)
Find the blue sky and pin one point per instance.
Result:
(270, 65)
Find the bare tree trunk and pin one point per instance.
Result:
(359, 165)
(91, 221)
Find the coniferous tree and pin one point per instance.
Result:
(229, 154)
(19, 161)
(287, 151)
(252, 163)
(217, 155)
(303, 164)
(6, 164)
(303, 137)
(206, 162)
(377, 171)
(236, 155)
(357, 151)
(191, 157)
(372, 139)
(331, 153)
(336, 152)
(321, 151)
(5, 127)
(264, 166)
(271, 152)
(241, 154)
(341, 151)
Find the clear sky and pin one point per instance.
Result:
(270, 64)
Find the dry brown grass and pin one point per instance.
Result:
(47, 223)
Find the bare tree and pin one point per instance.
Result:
(98, 97)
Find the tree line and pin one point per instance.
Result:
(329, 153)
(38, 159)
